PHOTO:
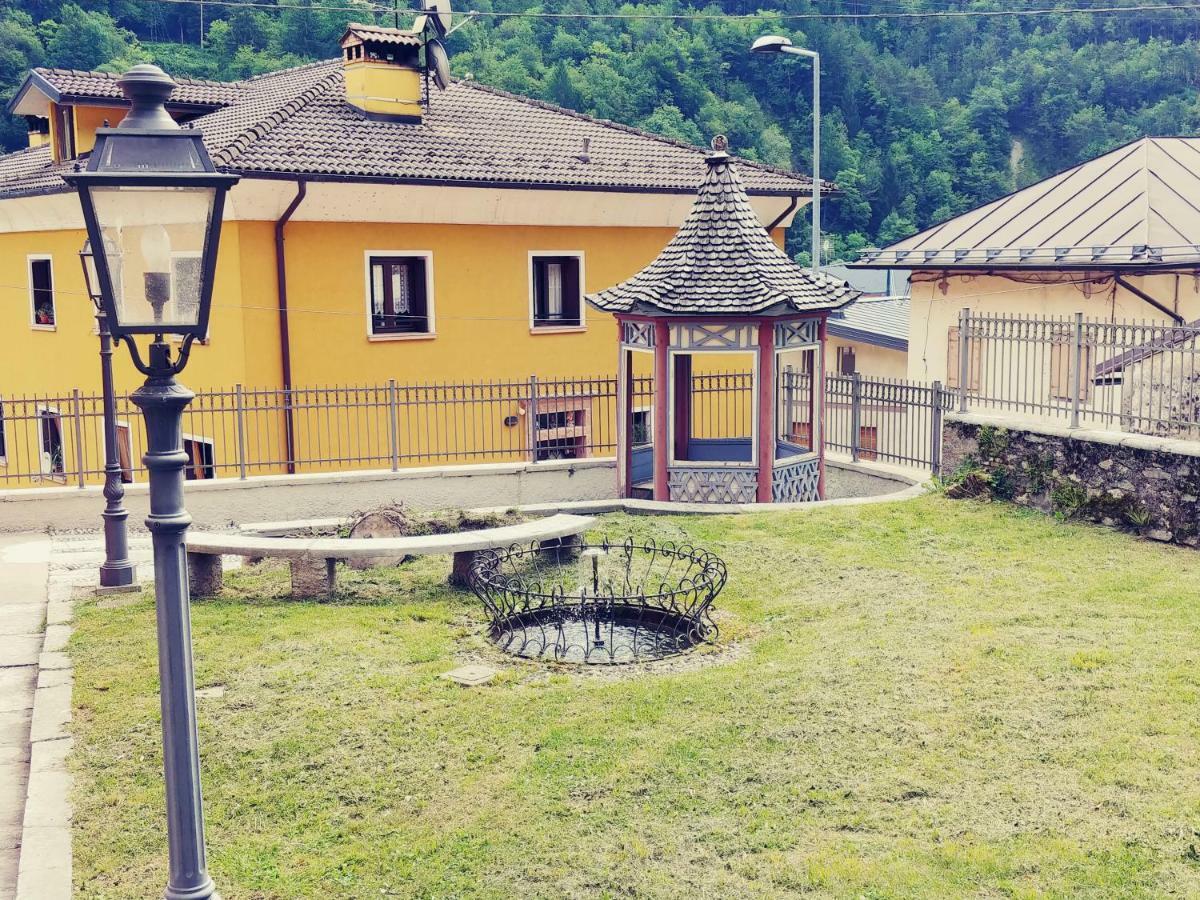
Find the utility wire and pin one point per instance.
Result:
(763, 15)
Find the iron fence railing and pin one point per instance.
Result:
(1139, 377)
(241, 432)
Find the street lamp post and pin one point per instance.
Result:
(150, 196)
(117, 573)
(773, 43)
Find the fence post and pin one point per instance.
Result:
(393, 426)
(78, 439)
(1076, 368)
(240, 408)
(964, 356)
(855, 414)
(935, 435)
(532, 414)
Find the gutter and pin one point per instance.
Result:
(285, 339)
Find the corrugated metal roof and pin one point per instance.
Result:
(1136, 207)
(721, 261)
(882, 321)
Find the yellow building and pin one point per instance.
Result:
(384, 231)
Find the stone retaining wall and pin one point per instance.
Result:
(1137, 483)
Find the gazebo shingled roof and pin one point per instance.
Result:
(722, 261)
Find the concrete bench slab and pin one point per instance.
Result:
(313, 559)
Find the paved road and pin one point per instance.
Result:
(24, 573)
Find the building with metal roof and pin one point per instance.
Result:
(1116, 237)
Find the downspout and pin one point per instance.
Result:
(285, 339)
(1142, 295)
(791, 208)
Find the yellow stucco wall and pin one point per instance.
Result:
(871, 361)
(933, 312)
(89, 118)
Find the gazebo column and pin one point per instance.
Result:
(817, 428)
(662, 408)
(765, 383)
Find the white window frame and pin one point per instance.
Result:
(556, 329)
(30, 259)
(50, 474)
(201, 439)
(648, 409)
(427, 256)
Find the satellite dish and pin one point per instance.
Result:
(438, 62)
(440, 14)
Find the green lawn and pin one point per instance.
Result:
(912, 700)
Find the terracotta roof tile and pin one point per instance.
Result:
(74, 84)
(722, 261)
(382, 35)
(297, 122)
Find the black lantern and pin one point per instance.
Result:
(152, 203)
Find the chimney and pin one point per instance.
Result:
(382, 71)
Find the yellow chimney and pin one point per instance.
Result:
(382, 70)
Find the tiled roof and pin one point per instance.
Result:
(72, 84)
(382, 35)
(1135, 207)
(882, 321)
(722, 261)
(296, 122)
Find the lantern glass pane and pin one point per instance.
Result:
(154, 243)
(143, 153)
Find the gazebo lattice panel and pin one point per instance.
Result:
(713, 485)
(798, 482)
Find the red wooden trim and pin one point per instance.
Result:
(766, 410)
(662, 394)
(819, 399)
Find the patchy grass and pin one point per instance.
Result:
(933, 699)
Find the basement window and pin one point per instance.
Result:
(41, 293)
(399, 293)
(201, 464)
(556, 290)
(51, 462)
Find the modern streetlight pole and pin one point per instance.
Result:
(117, 573)
(774, 43)
(150, 194)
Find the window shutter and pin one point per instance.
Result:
(571, 291)
(953, 362)
(540, 291)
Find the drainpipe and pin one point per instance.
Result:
(285, 339)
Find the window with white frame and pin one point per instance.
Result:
(642, 431)
(201, 462)
(557, 290)
(398, 294)
(41, 292)
(52, 463)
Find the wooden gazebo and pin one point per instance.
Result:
(722, 291)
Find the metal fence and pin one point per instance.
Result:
(242, 432)
(1126, 375)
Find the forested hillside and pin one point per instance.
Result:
(923, 118)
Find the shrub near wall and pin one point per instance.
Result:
(1088, 475)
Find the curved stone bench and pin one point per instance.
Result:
(314, 559)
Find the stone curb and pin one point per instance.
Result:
(44, 870)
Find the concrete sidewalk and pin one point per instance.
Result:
(24, 577)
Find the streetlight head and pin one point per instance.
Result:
(152, 203)
(770, 43)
